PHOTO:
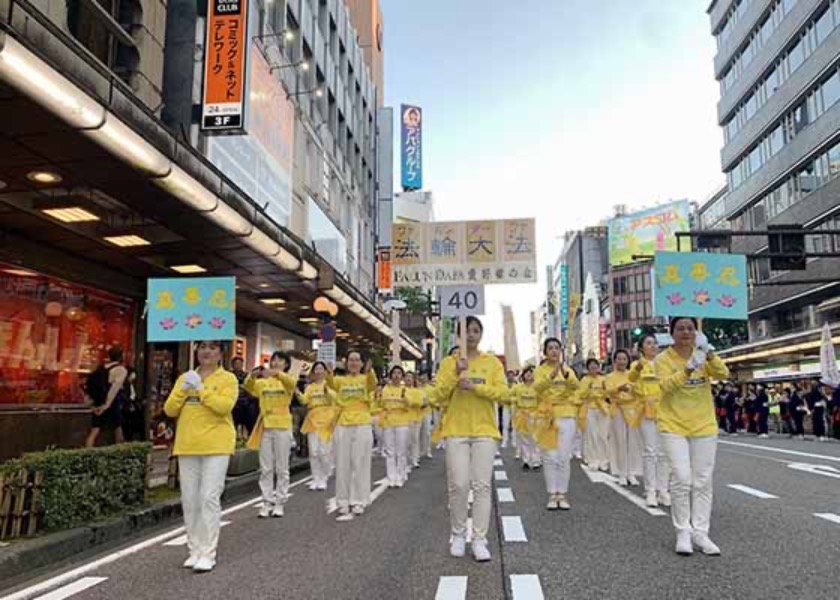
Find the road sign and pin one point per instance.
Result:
(462, 300)
(327, 353)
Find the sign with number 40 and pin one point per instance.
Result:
(462, 300)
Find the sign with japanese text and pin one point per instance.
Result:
(464, 253)
(384, 270)
(648, 231)
(191, 309)
(225, 49)
(701, 284)
(564, 301)
(411, 141)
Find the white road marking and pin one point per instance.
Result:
(829, 517)
(260, 505)
(72, 589)
(526, 587)
(58, 580)
(612, 483)
(470, 497)
(752, 491)
(375, 494)
(514, 531)
(498, 463)
(505, 494)
(182, 540)
(782, 451)
(824, 470)
(451, 588)
(332, 505)
(500, 476)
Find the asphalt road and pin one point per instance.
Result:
(608, 546)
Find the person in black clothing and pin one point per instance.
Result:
(750, 409)
(730, 403)
(817, 403)
(246, 409)
(798, 410)
(835, 412)
(762, 407)
(720, 410)
(785, 412)
(133, 417)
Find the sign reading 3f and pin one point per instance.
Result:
(411, 118)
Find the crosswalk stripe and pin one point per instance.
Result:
(500, 476)
(751, 491)
(513, 529)
(828, 517)
(182, 540)
(526, 587)
(505, 494)
(72, 589)
(451, 588)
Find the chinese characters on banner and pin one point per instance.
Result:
(412, 147)
(700, 284)
(191, 309)
(464, 252)
(225, 50)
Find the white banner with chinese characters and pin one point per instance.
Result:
(464, 252)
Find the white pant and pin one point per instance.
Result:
(657, 467)
(426, 435)
(202, 483)
(414, 442)
(274, 461)
(556, 463)
(577, 446)
(353, 444)
(596, 445)
(320, 458)
(529, 449)
(693, 466)
(469, 465)
(505, 426)
(635, 451)
(625, 448)
(396, 454)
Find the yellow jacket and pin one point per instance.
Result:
(593, 393)
(205, 424)
(416, 400)
(687, 407)
(354, 397)
(646, 387)
(320, 403)
(526, 401)
(625, 402)
(471, 413)
(396, 410)
(275, 396)
(559, 392)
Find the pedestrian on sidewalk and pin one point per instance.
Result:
(557, 384)
(625, 424)
(799, 409)
(817, 403)
(273, 433)
(353, 435)
(730, 403)
(395, 419)
(526, 401)
(202, 401)
(593, 396)
(105, 388)
(689, 430)
(657, 470)
(318, 426)
(762, 415)
(469, 388)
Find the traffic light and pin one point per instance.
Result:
(791, 244)
(637, 332)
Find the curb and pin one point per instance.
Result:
(29, 555)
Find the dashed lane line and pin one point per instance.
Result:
(451, 588)
(526, 587)
(751, 491)
(513, 529)
(500, 476)
(505, 495)
(80, 585)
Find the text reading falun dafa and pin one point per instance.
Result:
(191, 309)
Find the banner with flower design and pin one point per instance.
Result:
(191, 309)
(701, 284)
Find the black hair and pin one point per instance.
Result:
(470, 321)
(675, 320)
(235, 358)
(282, 356)
(640, 344)
(453, 350)
(593, 360)
(525, 371)
(319, 362)
(115, 354)
(549, 341)
(621, 351)
(396, 368)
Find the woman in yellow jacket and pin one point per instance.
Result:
(415, 418)
(353, 436)
(395, 420)
(556, 385)
(274, 393)
(689, 430)
(318, 426)
(648, 394)
(428, 409)
(625, 421)
(593, 395)
(202, 401)
(469, 389)
(526, 401)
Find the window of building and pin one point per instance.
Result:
(831, 90)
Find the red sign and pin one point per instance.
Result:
(225, 49)
(604, 335)
(385, 275)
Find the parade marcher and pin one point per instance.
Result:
(526, 402)
(273, 432)
(395, 419)
(762, 407)
(428, 410)
(593, 394)
(689, 430)
(646, 388)
(353, 436)
(202, 401)
(415, 412)
(469, 389)
(506, 410)
(376, 421)
(318, 426)
(556, 385)
(625, 422)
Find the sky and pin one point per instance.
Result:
(557, 110)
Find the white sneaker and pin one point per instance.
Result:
(191, 561)
(579, 456)
(665, 499)
(417, 465)
(204, 565)
(344, 515)
(651, 500)
(633, 481)
(358, 510)
(278, 511)
(705, 545)
(429, 455)
(458, 546)
(622, 481)
(480, 552)
(265, 512)
(552, 503)
(684, 547)
(562, 503)
(764, 436)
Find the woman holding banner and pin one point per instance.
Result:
(202, 401)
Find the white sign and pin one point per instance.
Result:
(327, 353)
(462, 300)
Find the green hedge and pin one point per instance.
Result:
(80, 486)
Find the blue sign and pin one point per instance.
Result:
(564, 300)
(411, 142)
(701, 284)
(191, 309)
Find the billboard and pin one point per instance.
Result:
(464, 252)
(564, 302)
(226, 47)
(411, 142)
(647, 231)
(184, 309)
(701, 284)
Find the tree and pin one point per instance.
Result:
(416, 299)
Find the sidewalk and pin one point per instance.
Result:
(27, 556)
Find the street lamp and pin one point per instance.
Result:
(318, 92)
(303, 64)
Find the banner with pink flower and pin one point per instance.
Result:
(184, 309)
(701, 284)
